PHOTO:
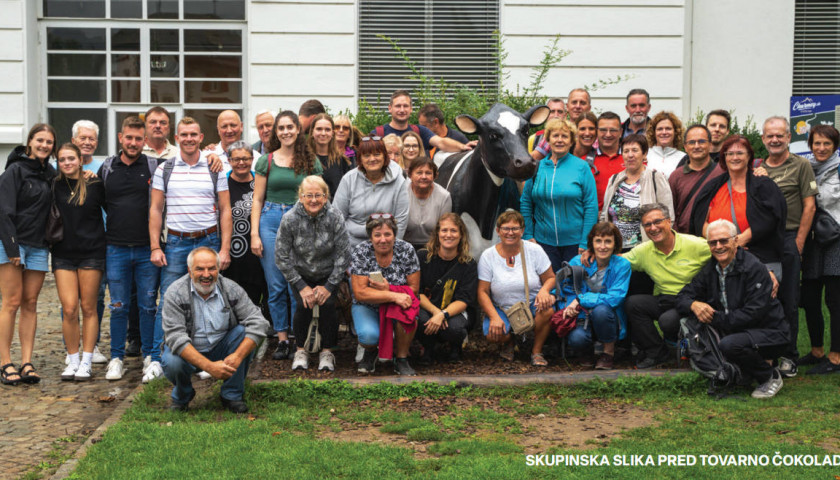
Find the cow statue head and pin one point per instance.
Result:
(503, 137)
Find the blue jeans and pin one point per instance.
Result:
(366, 321)
(602, 320)
(280, 298)
(180, 372)
(558, 255)
(176, 249)
(125, 266)
(485, 328)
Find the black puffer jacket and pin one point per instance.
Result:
(748, 289)
(25, 198)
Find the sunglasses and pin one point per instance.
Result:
(374, 138)
(720, 241)
(377, 216)
(342, 127)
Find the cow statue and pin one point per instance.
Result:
(476, 179)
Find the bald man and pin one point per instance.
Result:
(229, 127)
(579, 102)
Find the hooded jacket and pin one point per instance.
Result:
(312, 248)
(357, 197)
(665, 159)
(25, 199)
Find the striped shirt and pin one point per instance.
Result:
(190, 199)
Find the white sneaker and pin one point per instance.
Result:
(204, 375)
(67, 359)
(153, 371)
(69, 371)
(301, 361)
(83, 373)
(771, 387)
(115, 370)
(326, 361)
(98, 357)
(360, 353)
(146, 362)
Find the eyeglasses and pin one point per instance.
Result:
(240, 160)
(609, 130)
(720, 241)
(734, 153)
(310, 196)
(342, 127)
(374, 138)
(411, 147)
(656, 222)
(510, 229)
(383, 216)
(691, 143)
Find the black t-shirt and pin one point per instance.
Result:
(456, 135)
(462, 280)
(84, 230)
(334, 173)
(127, 203)
(244, 265)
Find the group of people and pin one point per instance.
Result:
(288, 219)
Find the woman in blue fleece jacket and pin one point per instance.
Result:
(559, 203)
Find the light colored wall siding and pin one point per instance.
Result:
(642, 38)
(300, 50)
(742, 57)
(13, 94)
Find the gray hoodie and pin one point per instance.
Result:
(312, 247)
(178, 330)
(357, 198)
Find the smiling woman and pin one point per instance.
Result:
(428, 201)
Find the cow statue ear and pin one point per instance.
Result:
(537, 115)
(468, 124)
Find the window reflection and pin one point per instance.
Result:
(213, 92)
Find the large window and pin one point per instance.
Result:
(103, 68)
(452, 39)
(816, 48)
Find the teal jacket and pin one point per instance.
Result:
(616, 283)
(560, 203)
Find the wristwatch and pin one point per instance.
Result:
(445, 315)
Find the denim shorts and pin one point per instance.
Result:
(78, 264)
(31, 258)
(486, 324)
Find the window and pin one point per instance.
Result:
(103, 68)
(452, 39)
(816, 48)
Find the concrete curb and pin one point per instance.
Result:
(489, 381)
(67, 467)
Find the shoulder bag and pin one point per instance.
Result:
(55, 224)
(519, 315)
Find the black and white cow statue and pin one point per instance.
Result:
(476, 179)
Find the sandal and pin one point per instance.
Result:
(5, 374)
(29, 376)
(538, 360)
(507, 352)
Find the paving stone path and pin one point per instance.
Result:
(55, 416)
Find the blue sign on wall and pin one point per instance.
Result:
(807, 112)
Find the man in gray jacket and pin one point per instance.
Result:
(209, 324)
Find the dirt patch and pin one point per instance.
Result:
(602, 422)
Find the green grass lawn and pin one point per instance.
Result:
(310, 430)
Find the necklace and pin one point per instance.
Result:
(72, 192)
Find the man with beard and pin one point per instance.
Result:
(638, 107)
(671, 260)
(687, 180)
(209, 324)
(126, 178)
(717, 121)
(795, 177)
(732, 293)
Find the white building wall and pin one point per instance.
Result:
(18, 100)
(641, 38)
(742, 57)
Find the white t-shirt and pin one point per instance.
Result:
(507, 283)
(190, 199)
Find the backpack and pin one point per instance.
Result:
(561, 324)
(698, 343)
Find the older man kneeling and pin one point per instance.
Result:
(734, 294)
(209, 324)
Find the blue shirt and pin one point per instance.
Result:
(424, 133)
(210, 318)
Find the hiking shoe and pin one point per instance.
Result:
(605, 362)
(98, 357)
(282, 351)
(771, 387)
(588, 361)
(507, 351)
(650, 362)
(824, 368)
(402, 367)
(69, 372)
(326, 361)
(234, 406)
(83, 373)
(115, 369)
(368, 363)
(301, 361)
(787, 367)
(132, 349)
(810, 359)
(153, 371)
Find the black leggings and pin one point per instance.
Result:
(327, 321)
(812, 293)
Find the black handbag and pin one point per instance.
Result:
(825, 228)
(55, 224)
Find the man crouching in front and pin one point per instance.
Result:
(209, 324)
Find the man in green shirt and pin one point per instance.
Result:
(671, 260)
(795, 177)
